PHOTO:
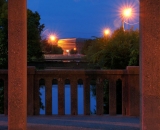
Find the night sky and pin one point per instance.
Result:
(81, 18)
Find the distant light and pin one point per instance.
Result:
(107, 31)
(52, 37)
(74, 49)
(67, 50)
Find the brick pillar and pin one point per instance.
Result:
(36, 97)
(17, 64)
(74, 97)
(99, 96)
(30, 90)
(150, 64)
(6, 96)
(61, 99)
(48, 95)
(112, 96)
(86, 90)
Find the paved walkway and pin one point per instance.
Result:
(67, 122)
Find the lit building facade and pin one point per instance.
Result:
(71, 43)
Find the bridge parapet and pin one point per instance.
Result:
(129, 80)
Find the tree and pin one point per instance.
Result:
(50, 49)
(34, 29)
(115, 52)
(73, 51)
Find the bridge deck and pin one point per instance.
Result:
(92, 122)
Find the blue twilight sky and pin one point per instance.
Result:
(81, 18)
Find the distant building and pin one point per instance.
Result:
(71, 43)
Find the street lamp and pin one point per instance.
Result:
(52, 39)
(107, 32)
(126, 14)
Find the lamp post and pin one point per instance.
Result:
(126, 14)
(52, 40)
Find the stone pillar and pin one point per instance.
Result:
(36, 97)
(48, 95)
(99, 96)
(150, 64)
(17, 64)
(30, 90)
(112, 96)
(74, 97)
(61, 99)
(86, 90)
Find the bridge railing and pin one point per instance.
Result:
(129, 83)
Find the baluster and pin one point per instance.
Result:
(74, 97)
(36, 98)
(112, 96)
(48, 95)
(86, 96)
(61, 100)
(99, 96)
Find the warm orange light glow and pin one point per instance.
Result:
(52, 37)
(127, 12)
(107, 31)
(74, 49)
(67, 50)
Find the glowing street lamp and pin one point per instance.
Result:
(107, 32)
(126, 14)
(52, 37)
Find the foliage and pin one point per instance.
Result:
(50, 49)
(34, 29)
(72, 51)
(115, 52)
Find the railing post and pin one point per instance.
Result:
(99, 96)
(48, 95)
(74, 97)
(61, 99)
(125, 96)
(112, 96)
(134, 94)
(36, 97)
(86, 96)
(30, 90)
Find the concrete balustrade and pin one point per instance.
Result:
(130, 90)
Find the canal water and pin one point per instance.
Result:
(68, 100)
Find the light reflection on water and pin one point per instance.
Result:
(67, 100)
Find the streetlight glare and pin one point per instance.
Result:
(107, 31)
(52, 37)
(127, 12)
